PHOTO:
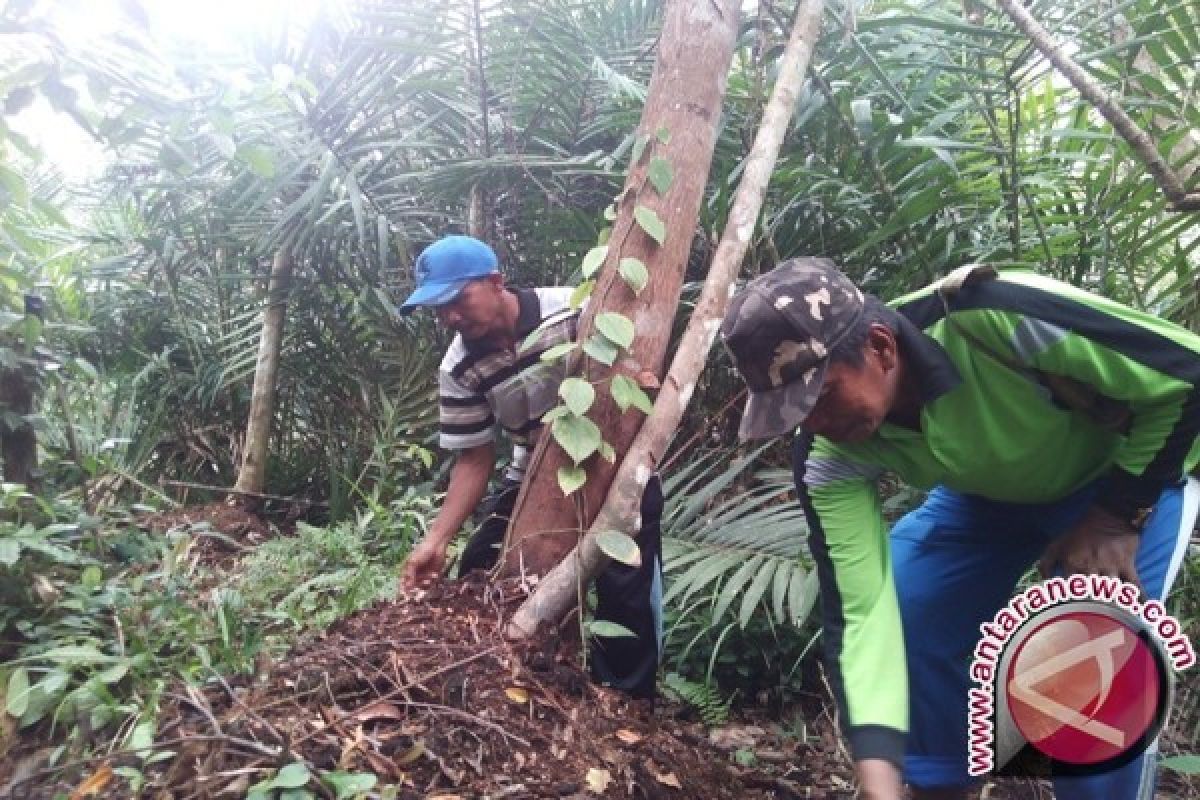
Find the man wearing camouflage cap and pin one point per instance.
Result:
(1048, 425)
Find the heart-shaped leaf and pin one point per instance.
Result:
(617, 328)
(635, 274)
(619, 547)
(651, 223)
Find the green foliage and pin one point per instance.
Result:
(703, 698)
(321, 574)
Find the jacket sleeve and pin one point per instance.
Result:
(863, 638)
(1137, 361)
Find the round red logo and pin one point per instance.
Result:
(1084, 688)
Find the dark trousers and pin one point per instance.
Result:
(628, 596)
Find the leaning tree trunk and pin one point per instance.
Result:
(557, 592)
(252, 475)
(656, 219)
(1178, 197)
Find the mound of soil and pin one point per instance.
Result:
(427, 695)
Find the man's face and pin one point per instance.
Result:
(855, 401)
(476, 312)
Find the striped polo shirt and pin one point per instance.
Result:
(481, 385)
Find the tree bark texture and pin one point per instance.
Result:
(252, 475)
(18, 443)
(1177, 196)
(679, 124)
(558, 591)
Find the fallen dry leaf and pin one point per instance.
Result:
(414, 752)
(517, 694)
(629, 737)
(378, 710)
(668, 779)
(598, 780)
(95, 783)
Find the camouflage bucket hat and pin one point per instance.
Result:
(780, 329)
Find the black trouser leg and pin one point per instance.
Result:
(483, 548)
(628, 596)
(632, 597)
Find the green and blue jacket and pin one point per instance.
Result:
(989, 427)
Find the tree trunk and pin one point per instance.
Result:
(252, 475)
(557, 592)
(678, 127)
(18, 440)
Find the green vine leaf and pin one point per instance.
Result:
(608, 453)
(577, 436)
(601, 349)
(604, 629)
(619, 547)
(578, 394)
(582, 292)
(570, 479)
(594, 259)
(635, 274)
(664, 135)
(661, 174)
(558, 351)
(651, 223)
(617, 328)
(626, 393)
(555, 413)
(610, 212)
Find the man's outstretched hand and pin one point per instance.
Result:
(424, 566)
(1099, 544)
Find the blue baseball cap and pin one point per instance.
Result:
(446, 266)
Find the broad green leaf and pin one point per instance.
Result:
(626, 393)
(609, 630)
(142, 737)
(571, 479)
(114, 673)
(17, 695)
(558, 351)
(348, 784)
(661, 175)
(601, 349)
(617, 328)
(663, 134)
(578, 395)
(608, 453)
(651, 223)
(578, 436)
(55, 681)
(619, 547)
(293, 776)
(594, 259)
(555, 413)
(10, 550)
(610, 214)
(634, 273)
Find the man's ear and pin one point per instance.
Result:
(882, 342)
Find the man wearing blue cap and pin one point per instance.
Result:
(493, 374)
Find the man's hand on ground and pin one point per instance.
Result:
(878, 780)
(424, 566)
(1099, 544)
